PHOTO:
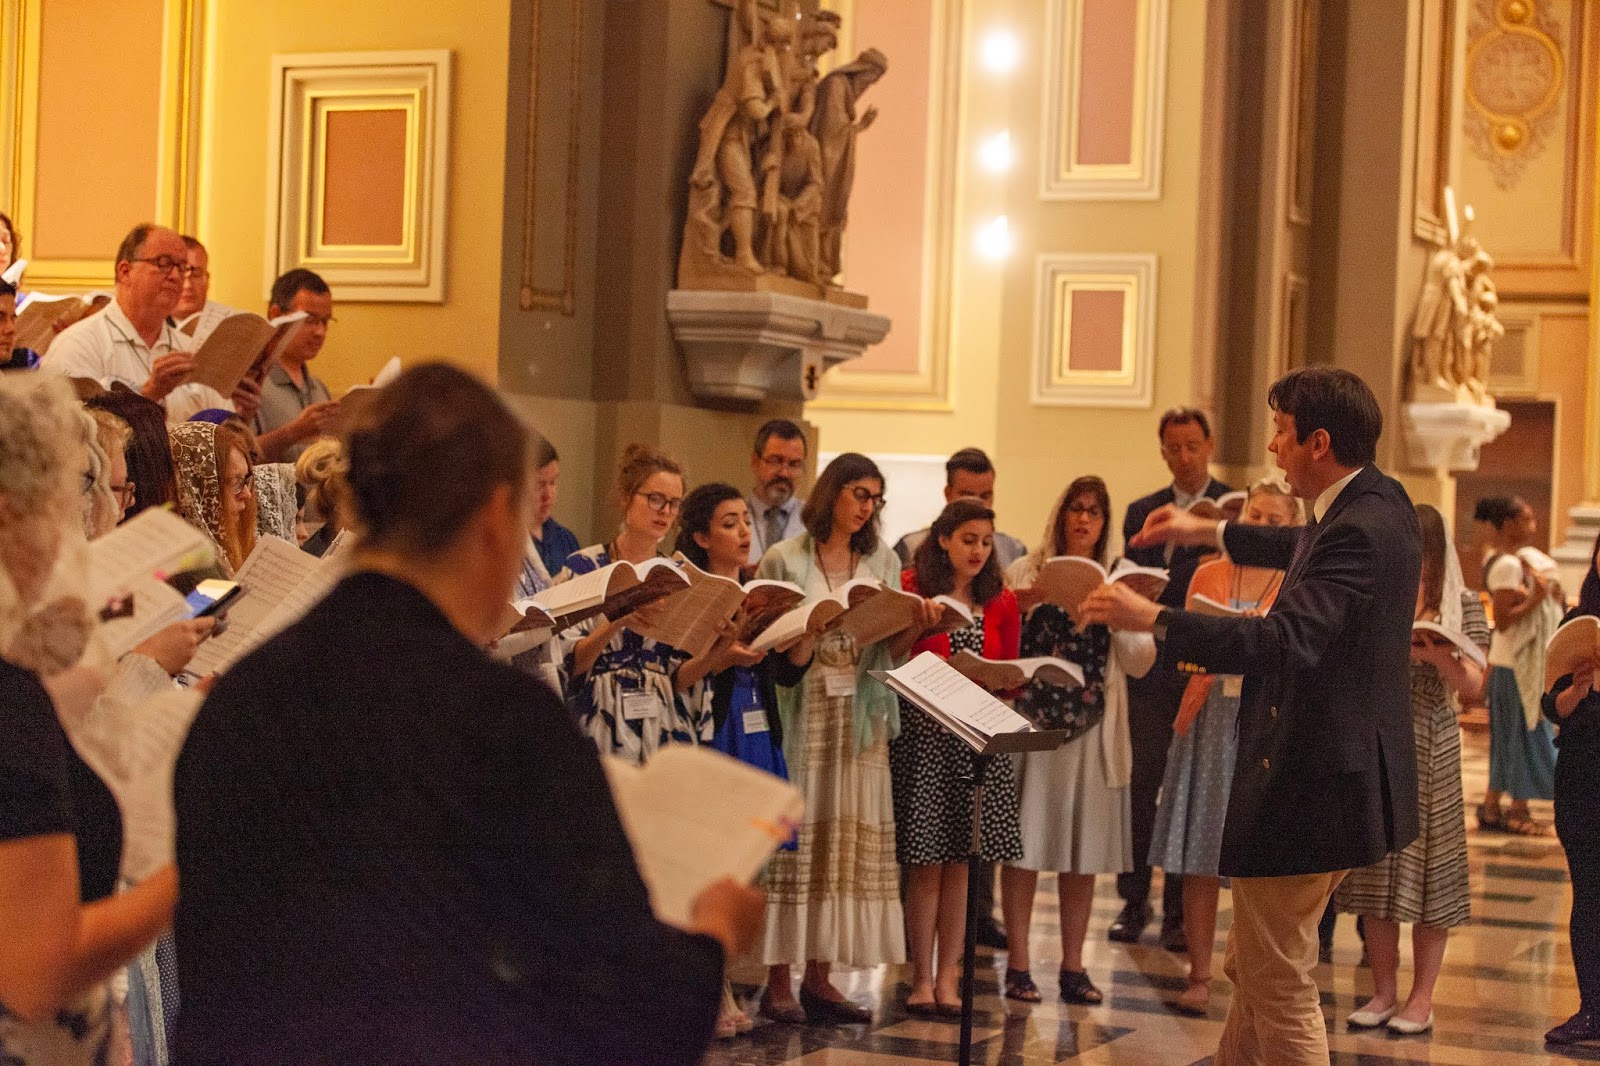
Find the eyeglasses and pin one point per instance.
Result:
(659, 503)
(125, 493)
(1086, 510)
(199, 273)
(320, 320)
(778, 462)
(88, 482)
(238, 486)
(863, 495)
(168, 265)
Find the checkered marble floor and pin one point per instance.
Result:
(1507, 978)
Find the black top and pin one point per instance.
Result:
(1180, 571)
(46, 789)
(1326, 775)
(394, 849)
(1580, 730)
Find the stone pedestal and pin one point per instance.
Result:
(1447, 436)
(1573, 556)
(754, 346)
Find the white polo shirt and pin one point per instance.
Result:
(106, 348)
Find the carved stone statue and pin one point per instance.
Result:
(770, 185)
(835, 125)
(1455, 326)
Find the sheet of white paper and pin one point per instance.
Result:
(156, 541)
(272, 574)
(694, 817)
(156, 605)
(940, 685)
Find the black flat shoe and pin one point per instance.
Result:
(830, 1010)
(790, 1013)
(1077, 988)
(1020, 987)
(929, 1009)
(1173, 938)
(1129, 926)
(1579, 1029)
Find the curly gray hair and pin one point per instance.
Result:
(39, 424)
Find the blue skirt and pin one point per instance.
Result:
(1522, 762)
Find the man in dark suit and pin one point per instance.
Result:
(1325, 779)
(1186, 447)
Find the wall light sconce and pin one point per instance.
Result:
(996, 153)
(994, 239)
(1000, 51)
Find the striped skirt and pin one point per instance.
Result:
(1427, 881)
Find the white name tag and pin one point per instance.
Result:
(637, 706)
(839, 685)
(755, 721)
(1232, 686)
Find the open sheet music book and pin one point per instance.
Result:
(695, 816)
(155, 543)
(817, 615)
(615, 591)
(1576, 644)
(46, 314)
(243, 345)
(1067, 580)
(279, 584)
(386, 374)
(134, 749)
(1200, 603)
(12, 275)
(1001, 675)
(200, 324)
(146, 606)
(692, 618)
(1434, 633)
(964, 708)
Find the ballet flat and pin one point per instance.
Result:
(1369, 1019)
(1409, 1028)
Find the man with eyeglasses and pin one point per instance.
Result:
(133, 340)
(968, 475)
(1186, 448)
(195, 302)
(779, 465)
(296, 408)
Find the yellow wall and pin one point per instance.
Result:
(241, 38)
(1038, 449)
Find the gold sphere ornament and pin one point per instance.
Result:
(1516, 11)
(1509, 136)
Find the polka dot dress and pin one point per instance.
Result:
(932, 772)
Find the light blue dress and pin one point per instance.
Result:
(1193, 802)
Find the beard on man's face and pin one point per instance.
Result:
(777, 490)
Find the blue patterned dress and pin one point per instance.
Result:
(627, 702)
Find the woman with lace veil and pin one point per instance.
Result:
(1426, 883)
(277, 501)
(216, 488)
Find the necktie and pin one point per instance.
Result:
(1308, 533)
(773, 523)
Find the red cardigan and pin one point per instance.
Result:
(1002, 625)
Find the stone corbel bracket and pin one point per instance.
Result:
(1447, 436)
(754, 346)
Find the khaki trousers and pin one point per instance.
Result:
(1276, 1013)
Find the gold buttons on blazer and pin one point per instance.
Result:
(1266, 764)
(1273, 712)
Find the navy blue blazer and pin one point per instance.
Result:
(1326, 776)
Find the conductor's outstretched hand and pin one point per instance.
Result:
(1116, 606)
(1173, 525)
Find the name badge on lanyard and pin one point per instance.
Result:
(637, 706)
(839, 684)
(755, 721)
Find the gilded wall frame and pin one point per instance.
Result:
(532, 295)
(306, 88)
(1061, 175)
(1057, 277)
(177, 179)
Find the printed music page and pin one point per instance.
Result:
(695, 816)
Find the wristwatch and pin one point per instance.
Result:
(1163, 619)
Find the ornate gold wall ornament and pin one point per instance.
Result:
(1515, 73)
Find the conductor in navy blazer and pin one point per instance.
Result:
(1325, 780)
